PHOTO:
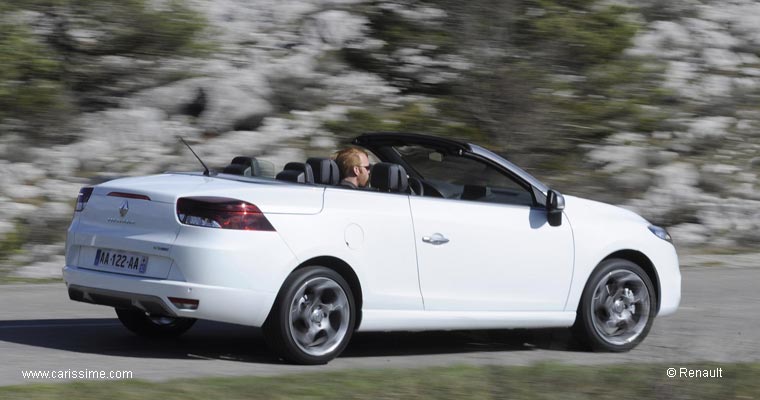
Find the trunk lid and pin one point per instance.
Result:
(119, 227)
(270, 196)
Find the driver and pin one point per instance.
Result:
(354, 167)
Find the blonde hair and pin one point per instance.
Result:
(347, 159)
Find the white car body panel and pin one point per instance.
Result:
(167, 188)
(594, 226)
(497, 257)
(239, 272)
(504, 266)
(372, 232)
(147, 224)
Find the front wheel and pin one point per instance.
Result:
(313, 317)
(144, 324)
(617, 308)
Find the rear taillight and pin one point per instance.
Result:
(83, 198)
(221, 212)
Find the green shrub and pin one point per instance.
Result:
(30, 75)
(545, 75)
(414, 118)
(579, 33)
(13, 241)
(61, 67)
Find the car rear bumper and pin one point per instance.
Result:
(224, 304)
(116, 299)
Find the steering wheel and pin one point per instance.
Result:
(416, 186)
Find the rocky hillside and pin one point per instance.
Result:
(700, 175)
(654, 107)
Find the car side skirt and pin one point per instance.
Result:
(413, 320)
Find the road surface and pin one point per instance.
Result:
(40, 329)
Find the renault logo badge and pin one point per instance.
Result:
(124, 209)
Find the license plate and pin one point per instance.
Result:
(121, 260)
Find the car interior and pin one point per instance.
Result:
(385, 177)
(394, 178)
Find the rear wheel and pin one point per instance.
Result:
(313, 317)
(144, 324)
(617, 308)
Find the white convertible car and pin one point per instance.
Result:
(450, 236)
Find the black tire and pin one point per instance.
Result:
(617, 307)
(142, 324)
(313, 317)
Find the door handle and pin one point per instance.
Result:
(435, 239)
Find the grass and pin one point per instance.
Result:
(541, 381)
(13, 241)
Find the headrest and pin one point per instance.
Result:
(475, 192)
(388, 177)
(296, 172)
(237, 169)
(325, 170)
(241, 165)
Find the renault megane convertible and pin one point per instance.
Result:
(449, 236)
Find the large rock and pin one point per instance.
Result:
(718, 178)
(57, 162)
(663, 39)
(722, 59)
(119, 140)
(677, 176)
(334, 28)
(735, 219)
(689, 234)
(124, 127)
(235, 99)
(714, 86)
(742, 18)
(679, 77)
(230, 106)
(358, 87)
(711, 128)
(5, 226)
(632, 181)
(175, 98)
(62, 191)
(418, 14)
(619, 157)
(23, 192)
(673, 197)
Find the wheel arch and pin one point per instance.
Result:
(642, 261)
(348, 273)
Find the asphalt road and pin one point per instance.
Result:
(40, 329)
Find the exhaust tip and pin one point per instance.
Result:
(184, 304)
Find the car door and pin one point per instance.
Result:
(374, 231)
(484, 245)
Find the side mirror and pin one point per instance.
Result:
(555, 203)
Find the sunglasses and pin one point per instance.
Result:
(367, 167)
